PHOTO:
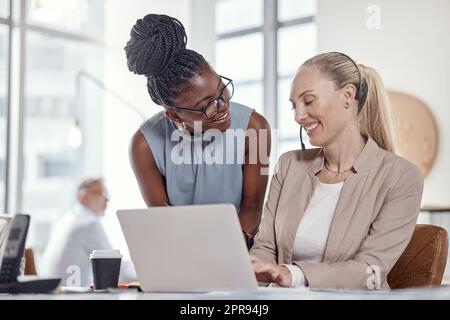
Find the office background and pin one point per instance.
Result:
(67, 98)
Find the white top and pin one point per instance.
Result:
(312, 233)
(73, 239)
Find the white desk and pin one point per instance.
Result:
(262, 294)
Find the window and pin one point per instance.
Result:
(83, 17)
(295, 45)
(2, 169)
(240, 54)
(57, 107)
(54, 97)
(54, 166)
(3, 105)
(47, 58)
(235, 15)
(289, 10)
(4, 8)
(231, 62)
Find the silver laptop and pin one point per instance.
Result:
(188, 248)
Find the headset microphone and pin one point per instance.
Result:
(301, 139)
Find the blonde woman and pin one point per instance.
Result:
(340, 215)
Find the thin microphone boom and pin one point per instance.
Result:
(301, 139)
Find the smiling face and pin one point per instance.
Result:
(195, 95)
(319, 105)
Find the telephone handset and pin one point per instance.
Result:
(14, 250)
(12, 258)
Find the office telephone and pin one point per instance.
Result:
(12, 258)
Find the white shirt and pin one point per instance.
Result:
(67, 254)
(312, 233)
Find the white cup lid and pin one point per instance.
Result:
(102, 254)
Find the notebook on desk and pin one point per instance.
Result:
(188, 249)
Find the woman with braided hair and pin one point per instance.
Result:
(193, 95)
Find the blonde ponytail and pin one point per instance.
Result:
(374, 117)
(373, 102)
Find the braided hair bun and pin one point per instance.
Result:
(155, 40)
(157, 49)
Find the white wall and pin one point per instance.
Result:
(119, 122)
(411, 51)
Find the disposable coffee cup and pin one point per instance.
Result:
(105, 268)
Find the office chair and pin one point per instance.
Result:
(422, 264)
(30, 266)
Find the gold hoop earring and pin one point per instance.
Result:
(182, 125)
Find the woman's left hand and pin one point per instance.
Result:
(270, 272)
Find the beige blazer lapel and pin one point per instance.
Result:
(345, 209)
(348, 201)
(300, 193)
(295, 210)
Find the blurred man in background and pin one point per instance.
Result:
(76, 234)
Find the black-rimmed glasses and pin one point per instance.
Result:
(211, 109)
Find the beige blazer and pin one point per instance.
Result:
(372, 224)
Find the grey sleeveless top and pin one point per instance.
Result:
(200, 169)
